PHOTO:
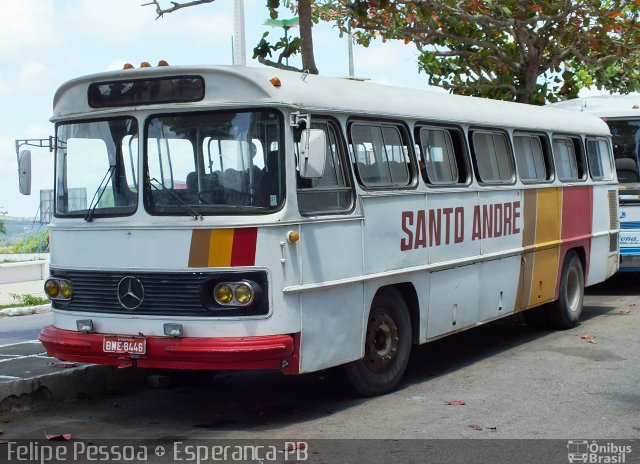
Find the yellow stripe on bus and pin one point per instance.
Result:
(549, 217)
(546, 261)
(220, 247)
(545, 273)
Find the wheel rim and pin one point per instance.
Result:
(573, 290)
(381, 343)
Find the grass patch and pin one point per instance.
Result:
(26, 300)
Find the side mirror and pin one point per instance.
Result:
(313, 152)
(24, 172)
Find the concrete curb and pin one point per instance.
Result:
(81, 382)
(25, 310)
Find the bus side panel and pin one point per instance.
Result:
(603, 258)
(453, 299)
(395, 233)
(544, 272)
(577, 225)
(529, 216)
(330, 251)
(498, 221)
(499, 284)
(333, 323)
(331, 318)
(449, 225)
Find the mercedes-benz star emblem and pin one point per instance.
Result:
(130, 292)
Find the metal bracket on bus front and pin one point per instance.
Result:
(40, 143)
(296, 118)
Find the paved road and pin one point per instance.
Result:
(515, 382)
(22, 328)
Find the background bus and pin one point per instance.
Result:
(622, 114)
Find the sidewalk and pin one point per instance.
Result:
(29, 378)
(35, 288)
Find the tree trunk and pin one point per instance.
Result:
(528, 79)
(306, 39)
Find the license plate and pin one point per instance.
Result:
(124, 345)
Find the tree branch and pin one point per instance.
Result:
(274, 64)
(176, 6)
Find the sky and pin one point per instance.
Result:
(44, 43)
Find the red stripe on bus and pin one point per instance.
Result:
(243, 252)
(577, 223)
(577, 212)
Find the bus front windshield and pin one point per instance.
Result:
(626, 149)
(214, 163)
(96, 168)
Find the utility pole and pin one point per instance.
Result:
(350, 51)
(239, 48)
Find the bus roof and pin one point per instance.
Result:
(227, 86)
(604, 106)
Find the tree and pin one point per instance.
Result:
(3, 231)
(285, 47)
(530, 51)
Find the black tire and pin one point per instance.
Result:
(387, 346)
(565, 313)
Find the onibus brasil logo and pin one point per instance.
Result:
(597, 453)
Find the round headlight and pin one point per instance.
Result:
(244, 294)
(51, 288)
(66, 290)
(223, 293)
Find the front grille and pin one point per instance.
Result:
(170, 294)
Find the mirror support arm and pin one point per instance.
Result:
(296, 118)
(40, 143)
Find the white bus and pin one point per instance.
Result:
(622, 114)
(244, 218)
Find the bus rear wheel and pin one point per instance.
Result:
(387, 346)
(565, 313)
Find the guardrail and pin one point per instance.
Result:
(19, 257)
(24, 271)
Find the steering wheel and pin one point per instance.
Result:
(217, 192)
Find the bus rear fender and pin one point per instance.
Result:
(410, 296)
(582, 255)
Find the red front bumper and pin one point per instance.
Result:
(231, 353)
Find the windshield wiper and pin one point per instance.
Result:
(99, 191)
(162, 188)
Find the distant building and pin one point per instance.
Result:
(77, 201)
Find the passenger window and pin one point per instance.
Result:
(332, 192)
(531, 158)
(567, 159)
(382, 157)
(442, 156)
(599, 159)
(492, 157)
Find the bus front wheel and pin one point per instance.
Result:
(387, 346)
(565, 313)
